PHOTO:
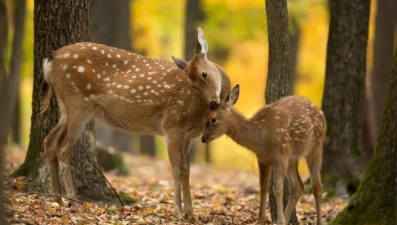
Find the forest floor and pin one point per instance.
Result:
(219, 197)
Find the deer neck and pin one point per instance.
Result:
(242, 131)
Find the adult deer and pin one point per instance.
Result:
(278, 134)
(132, 93)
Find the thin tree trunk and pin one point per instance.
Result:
(343, 99)
(194, 14)
(110, 26)
(385, 24)
(4, 111)
(277, 84)
(295, 37)
(2, 197)
(9, 83)
(15, 65)
(59, 23)
(383, 52)
(375, 200)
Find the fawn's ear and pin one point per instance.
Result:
(179, 62)
(232, 97)
(201, 45)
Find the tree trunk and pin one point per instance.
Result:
(2, 154)
(3, 95)
(385, 24)
(59, 23)
(343, 99)
(375, 200)
(279, 69)
(194, 14)
(147, 145)
(4, 111)
(295, 37)
(9, 83)
(110, 25)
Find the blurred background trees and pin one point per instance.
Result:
(238, 41)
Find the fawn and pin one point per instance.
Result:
(132, 93)
(278, 134)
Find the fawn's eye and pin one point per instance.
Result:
(204, 74)
(213, 120)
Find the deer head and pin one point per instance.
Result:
(203, 74)
(216, 119)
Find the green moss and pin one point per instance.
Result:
(375, 208)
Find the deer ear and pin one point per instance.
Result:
(232, 98)
(179, 62)
(201, 45)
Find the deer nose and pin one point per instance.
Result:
(213, 105)
(203, 139)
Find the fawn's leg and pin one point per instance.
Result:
(264, 183)
(176, 144)
(187, 201)
(296, 185)
(314, 161)
(279, 173)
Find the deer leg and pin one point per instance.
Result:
(279, 172)
(50, 143)
(175, 155)
(314, 161)
(264, 183)
(187, 201)
(75, 127)
(296, 185)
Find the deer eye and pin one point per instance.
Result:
(204, 74)
(213, 120)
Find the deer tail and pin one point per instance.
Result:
(46, 87)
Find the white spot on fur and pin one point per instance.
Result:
(80, 69)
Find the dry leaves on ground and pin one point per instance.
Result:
(219, 197)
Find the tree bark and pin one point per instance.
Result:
(343, 99)
(279, 69)
(375, 200)
(59, 23)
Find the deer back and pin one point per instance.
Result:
(125, 90)
(293, 122)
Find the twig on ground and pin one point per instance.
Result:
(114, 190)
(20, 221)
(56, 195)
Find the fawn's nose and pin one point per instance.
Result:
(203, 139)
(213, 105)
